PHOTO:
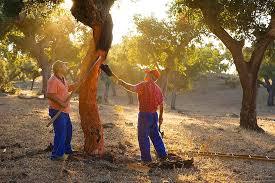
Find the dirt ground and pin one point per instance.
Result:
(206, 119)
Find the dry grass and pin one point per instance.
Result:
(24, 122)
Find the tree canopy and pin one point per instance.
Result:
(235, 23)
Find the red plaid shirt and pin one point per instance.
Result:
(149, 96)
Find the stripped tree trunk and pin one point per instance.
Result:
(94, 14)
(88, 109)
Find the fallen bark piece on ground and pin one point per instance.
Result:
(172, 161)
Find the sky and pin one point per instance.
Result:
(123, 12)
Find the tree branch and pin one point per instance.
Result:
(234, 46)
(261, 46)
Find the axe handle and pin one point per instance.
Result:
(54, 118)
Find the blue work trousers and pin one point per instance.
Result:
(62, 134)
(148, 128)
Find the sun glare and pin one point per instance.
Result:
(67, 4)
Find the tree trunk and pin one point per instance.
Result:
(173, 100)
(130, 97)
(248, 115)
(106, 91)
(113, 89)
(46, 74)
(164, 83)
(270, 101)
(33, 80)
(88, 109)
(248, 71)
(272, 92)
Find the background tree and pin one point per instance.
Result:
(235, 22)
(186, 69)
(31, 70)
(48, 33)
(165, 42)
(196, 62)
(124, 60)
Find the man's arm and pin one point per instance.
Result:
(160, 114)
(127, 86)
(53, 98)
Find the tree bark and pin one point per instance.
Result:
(270, 99)
(113, 86)
(46, 74)
(248, 115)
(173, 100)
(272, 91)
(33, 80)
(106, 91)
(88, 109)
(164, 82)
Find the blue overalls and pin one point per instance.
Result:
(148, 127)
(62, 134)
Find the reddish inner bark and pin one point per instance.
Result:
(88, 109)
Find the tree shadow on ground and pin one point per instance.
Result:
(225, 136)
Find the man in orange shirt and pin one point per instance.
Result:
(150, 98)
(57, 93)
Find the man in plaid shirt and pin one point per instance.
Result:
(150, 98)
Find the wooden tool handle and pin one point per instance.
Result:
(54, 118)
